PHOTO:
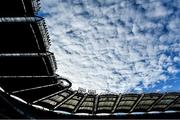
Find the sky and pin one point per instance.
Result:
(116, 46)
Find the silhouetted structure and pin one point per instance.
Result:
(29, 87)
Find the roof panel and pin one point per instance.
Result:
(107, 98)
(104, 108)
(105, 104)
(72, 102)
(126, 103)
(143, 107)
(51, 102)
(129, 98)
(57, 98)
(159, 106)
(89, 99)
(145, 102)
(77, 97)
(87, 104)
(86, 108)
(176, 105)
(67, 106)
(171, 96)
(123, 107)
(167, 101)
(150, 96)
(65, 94)
(178, 100)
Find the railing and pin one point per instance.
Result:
(44, 32)
(53, 61)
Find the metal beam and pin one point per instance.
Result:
(48, 72)
(35, 36)
(21, 19)
(172, 103)
(50, 95)
(116, 104)
(34, 88)
(95, 104)
(157, 101)
(140, 98)
(65, 100)
(79, 104)
(24, 54)
(36, 76)
(24, 6)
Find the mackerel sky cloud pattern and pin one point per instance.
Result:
(116, 45)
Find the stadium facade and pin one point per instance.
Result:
(30, 88)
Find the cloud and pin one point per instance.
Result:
(114, 46)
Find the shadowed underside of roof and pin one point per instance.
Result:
(27, 72)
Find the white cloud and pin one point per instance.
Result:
(172, 69)
(112, 45)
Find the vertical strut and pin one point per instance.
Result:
(116, 104)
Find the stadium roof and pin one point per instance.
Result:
(27, 74)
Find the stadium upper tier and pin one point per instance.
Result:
(27, 72)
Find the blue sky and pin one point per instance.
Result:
(116, 46)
